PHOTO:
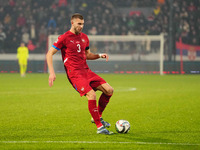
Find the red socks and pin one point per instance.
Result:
(94, 112)
(97, 112)
(103, 101)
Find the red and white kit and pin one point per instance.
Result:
(73, 49)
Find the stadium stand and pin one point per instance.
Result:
(32, 21)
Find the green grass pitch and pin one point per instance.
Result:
(164, 113)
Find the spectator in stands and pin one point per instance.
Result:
(192, 7)
(12, 3)
(194, 41)
(32, 32)
(2, 40)
(30, 20)
(62, 3)
(93, 31)
(42, 15)
(31, 46)
(25, 13)
(161, 2)
(183, 13)
(21, 20)
(7, 19)
(1, 25)
(156, 10)
(42, 34)
(52, 23)
(25, 37)
(193, 37)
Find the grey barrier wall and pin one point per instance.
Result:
(129, 67)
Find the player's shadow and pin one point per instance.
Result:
(145, 137)
(150, 137)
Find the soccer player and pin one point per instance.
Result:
(74, 46)
(22, 55)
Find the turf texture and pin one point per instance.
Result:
(164, 113)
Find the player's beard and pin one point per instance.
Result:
(77, 31)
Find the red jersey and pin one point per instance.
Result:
(73, 48)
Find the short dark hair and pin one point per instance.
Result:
(77, 15)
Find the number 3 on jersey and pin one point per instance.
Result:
(79, 48)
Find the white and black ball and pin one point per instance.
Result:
(122, 126)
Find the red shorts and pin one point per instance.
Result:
(84, 81)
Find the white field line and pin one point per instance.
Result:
(47, 91)
(98, 142)
(125, 89)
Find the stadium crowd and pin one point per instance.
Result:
(31, 21)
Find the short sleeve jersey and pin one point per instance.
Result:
(73, 48)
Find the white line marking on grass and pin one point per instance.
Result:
(125, 89)
(99, 142)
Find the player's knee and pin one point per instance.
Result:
(110, 91)
(91, 95)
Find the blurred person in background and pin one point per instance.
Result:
(21, 20)
(22, 55)
(25, 37)
(52, 23)
(2, 39)
(31, 46)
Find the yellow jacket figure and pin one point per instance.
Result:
(22, 55)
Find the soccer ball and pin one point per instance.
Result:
(122, 126)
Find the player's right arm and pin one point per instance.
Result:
(49, 57)
(57, 45)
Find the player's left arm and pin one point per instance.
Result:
(92, 56)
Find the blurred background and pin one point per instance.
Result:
(32, 21)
